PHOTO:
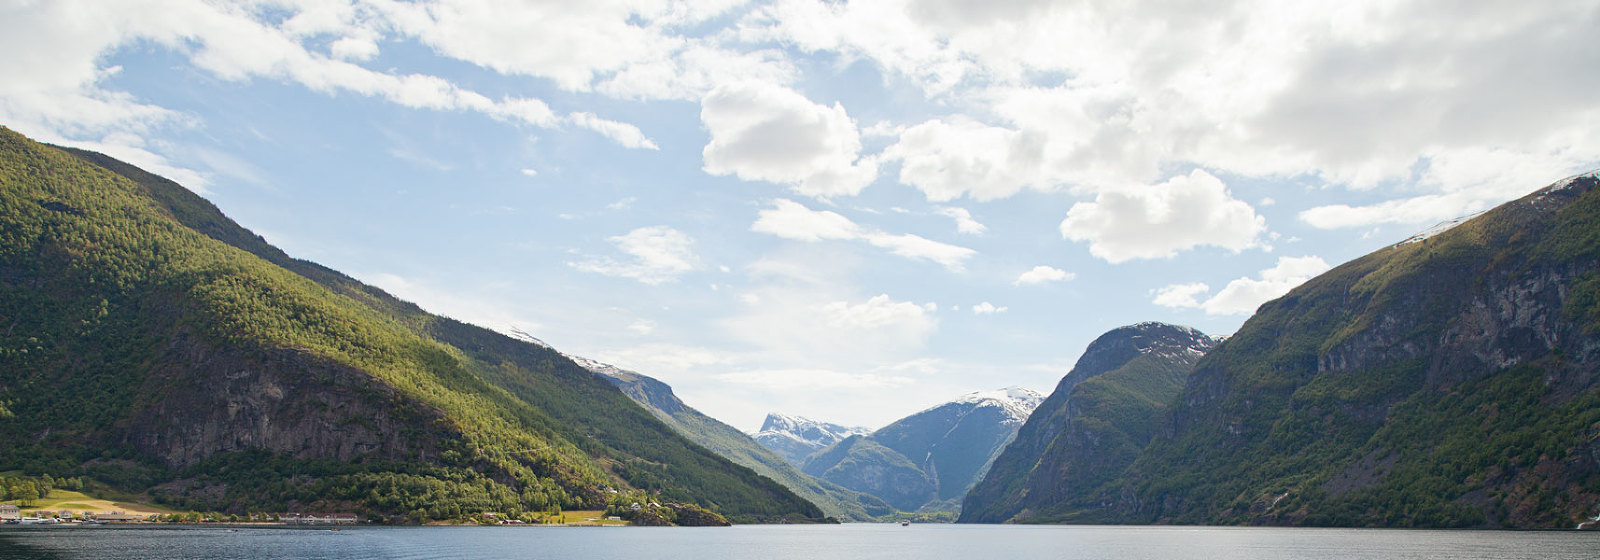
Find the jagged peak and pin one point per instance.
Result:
(778, 423)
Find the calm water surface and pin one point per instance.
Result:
(856, 541)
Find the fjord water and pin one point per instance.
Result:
(776, 542)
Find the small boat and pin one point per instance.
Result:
(905, 523)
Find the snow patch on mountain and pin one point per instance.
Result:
(1437, 229)
(601, 368)
(1017, 402)
(813, 433)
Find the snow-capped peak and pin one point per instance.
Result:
(806, 430)
(1437, 229)
(1017, 401)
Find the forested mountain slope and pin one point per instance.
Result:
(1098, 419)
(148, 341)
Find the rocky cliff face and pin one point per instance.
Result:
(1100, 416)
(215, 400)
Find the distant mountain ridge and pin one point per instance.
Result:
(796, 437)
(928, 460)
(738, 447)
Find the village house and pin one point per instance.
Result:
(10, 512)
(319, 518)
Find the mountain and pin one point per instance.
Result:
(928, 460)
(725, 440)
(796, 437)
(149, 342)
(1098, 419)
(1446, 381)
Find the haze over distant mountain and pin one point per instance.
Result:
(153, 344)
(729, 442)
(796, 437)
(928, 460)
(1450, 380)
(1100, 416)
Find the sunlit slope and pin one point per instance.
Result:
(146, 338)
(1446, 381)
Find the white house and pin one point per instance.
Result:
(10, 512)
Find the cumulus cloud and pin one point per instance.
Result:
(763, 132)
(654, 255)
(1243, 295)
(61, 94)
(1419, 94)
(1180, 295)
(1159, 220)
(964, 221)
(1043, 274)
(792, 220)
(950, 159)
(987, 308)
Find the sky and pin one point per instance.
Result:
(849, 211)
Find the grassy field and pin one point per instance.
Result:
(79, 502)
(585, 518)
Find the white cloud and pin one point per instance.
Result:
(913, 246)
(570, 43)
(788, 322)
(664, 360)
(946, 160)
(763, 132)
(1180, 295)
(1243, 295)
(1043, 274)
(354, 49)
(621, 133)
(656, 254)
(642, 326)
(964, 221)
(530, 172)
(879, 311)
(1157, 221)
(987, 308)
(792, 220)
(453, 303)
(1420, 94)
(61, 94)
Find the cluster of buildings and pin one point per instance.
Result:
(12, 514)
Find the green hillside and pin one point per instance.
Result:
(1444, 382)
(1100, 417)
(149, 342)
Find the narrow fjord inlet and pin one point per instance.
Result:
(799, 279)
